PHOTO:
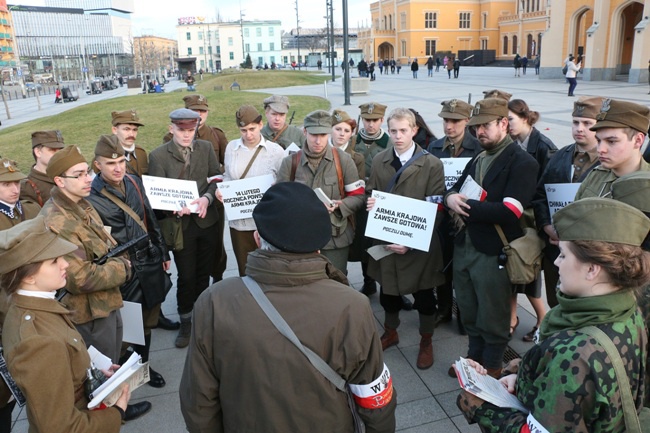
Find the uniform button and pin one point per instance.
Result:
(75, 340)
(28, 317)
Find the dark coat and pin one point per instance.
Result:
(541, 148)
(415, 66)
(471, 147)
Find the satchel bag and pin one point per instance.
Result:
(523, 256)
(565, 69)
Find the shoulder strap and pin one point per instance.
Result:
(286, 330)
(632, 424)
(395, 178)
(502, 235)
(124, 207)
(295, 160)
(280, 132)
(137, 188)
(250, 163)
(39, 197)
(339, 171)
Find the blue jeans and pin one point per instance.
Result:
(415, 74)
(572, 85)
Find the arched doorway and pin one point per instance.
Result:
(530, 46)
(582, 20)
(629, 17)
(385, 51)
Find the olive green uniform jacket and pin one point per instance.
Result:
(599, 182)
(241, 375)
(48, 360)
(30, 210)
(93, 290)
(290, 135)
(401, 274)
(42, 183)
(358, 158)
(370, 149)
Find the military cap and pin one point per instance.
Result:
(63, 160)
(196, 102)
(339, 116)
(633, 189)
(301, 228)
(9, 172)
(109, 146)
(372, 110)
(487, 110)
(246, 115)
(601, 219)
(129, 117)
(455, 109)
(277, 103)
(52, 139)
(587, 106)
(31, 241)
(496, 93)
(318, 122)
(184, 118)
(622, 114)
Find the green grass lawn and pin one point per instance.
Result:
(83, 125)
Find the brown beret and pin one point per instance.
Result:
(277, 103)
(455, 109)
(31, 241)
(622, 114)
(587, 106)
(52, 139)
(196, 102)
(130, 117)
(9, 171)
(339, 116)
(109, 146)
(487, 110)
(63, 160)
(496, 93)
(246, 115)
(372, 110)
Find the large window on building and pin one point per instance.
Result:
(464, 21)
(271, 46)
(200, 36)
(188, 35)
(403, 53)
(189, 51)
(230, 42)
(402, 21)
(430, 47)
(247, 48)
(259, 47)
(514, 45)
(271, 33)
(231, 55)
(484, 44)
(430, 20)
(200, 50)
(258, 31)
(505, 45)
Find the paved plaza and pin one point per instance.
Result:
(426, 398)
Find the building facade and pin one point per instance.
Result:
(154, 55)
(8, 58)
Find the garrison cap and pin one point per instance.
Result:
(601, 219)
(455, 109)
(184, 118)
(587, 106)
(622, 114)
(246, 115)
(31, 241)
(372, 110)
(339, 116)
(487, 110)
(129, 117)
(633, 189)
(196, 102)
(496, 93)
(318, 122)
(63, 160)
(109, 146)
(9, 171)
(292, 218)
(51, 139)
(277, 103)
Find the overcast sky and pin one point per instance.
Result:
(158, 18)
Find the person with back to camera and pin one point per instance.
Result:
(567, 379)
(45, 354)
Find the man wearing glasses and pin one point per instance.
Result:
(507, 176)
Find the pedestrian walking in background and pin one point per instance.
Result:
(430, 67)
(516, 62)
(524, 64)
(381, 66)
(536, 64)
(415, 67)
(456, 65)
(450, 66)
(572, 71)
(437, 64)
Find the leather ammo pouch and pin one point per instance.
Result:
(524, 255)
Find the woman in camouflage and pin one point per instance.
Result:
(566, 380)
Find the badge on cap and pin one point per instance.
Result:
(113, 155)
(201, 99)
(134, 115)
(10, 168)
(579, 110)
(604, 109)
(477, 110)
(59, 136)
(371, 108)
(338, 117)
(242, 123)
(452, 105)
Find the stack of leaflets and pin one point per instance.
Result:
(133, 372)
(485, 387)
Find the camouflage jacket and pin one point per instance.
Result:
(290, 135)
(644, 305)
(36, 187)
(94, 290)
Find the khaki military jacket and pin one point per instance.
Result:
(599, 182)
(238, 359)
(11, 217)
(36, 187)
(48, 360)
(290, 135)
(371, 149)
(94, 290)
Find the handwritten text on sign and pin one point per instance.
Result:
(170, 194)
(453, 169)
(559, 195)
(402, 220)
(241, 196)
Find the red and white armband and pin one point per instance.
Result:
(376, 394)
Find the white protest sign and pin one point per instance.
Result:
(241, 196)
(559, 195)
(170, 194)
(401, 220)
(453, 169)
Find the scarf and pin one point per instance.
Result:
(575, 313)
(313, 159)
(486, 158)
(370, 138)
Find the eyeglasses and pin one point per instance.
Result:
(88, 173)
(486, 125)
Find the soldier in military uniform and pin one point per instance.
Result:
(496, 93)
(457, 143)
(125, 127)
(567, 379)
(621, 129)
(12, 209)
(36, 187)
(276, 129)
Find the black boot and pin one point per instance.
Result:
(167, 324)
(369, 284)
(136, 410)
(155, 379)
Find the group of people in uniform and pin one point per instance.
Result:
(59, 223)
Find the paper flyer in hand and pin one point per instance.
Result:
(473, 190)
(170, 194)
(132, 372)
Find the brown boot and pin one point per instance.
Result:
(425, 355)
(390, 338)
(494, 372)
